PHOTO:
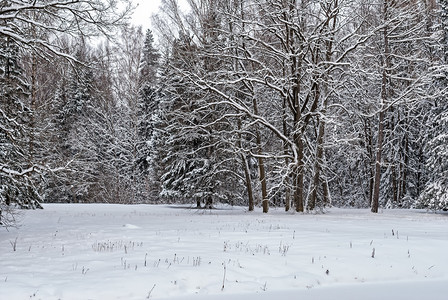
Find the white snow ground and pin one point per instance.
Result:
(152, 252)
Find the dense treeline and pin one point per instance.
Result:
(297, 104)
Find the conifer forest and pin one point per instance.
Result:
(297, 104)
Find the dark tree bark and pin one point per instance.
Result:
(384, 94)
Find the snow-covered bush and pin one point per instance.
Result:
(434, 197)
(8, 215)
(435, 194)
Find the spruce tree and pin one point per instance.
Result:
(435, 194)
(147, 115)
(17, 185)
(70, 118)
(198, 160)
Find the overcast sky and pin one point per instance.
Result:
(143, 12)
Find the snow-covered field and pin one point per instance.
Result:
(151, 252)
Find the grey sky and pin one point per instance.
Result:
(143, 12)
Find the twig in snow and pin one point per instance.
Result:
(149, 294)
(34, 294)
(84, 270)
(14, 244)
(224, 277)
(264, 288)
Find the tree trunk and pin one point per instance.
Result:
(264, 194)
(296, 64)
(384, 83)
(376, 187)
(403, 168)
(245, 165)
(395, 186)
(371, 166)
(250, 194)
(327, 197)
(261, 170)
(209, 202)
(298, 176)
(321, 131)
(317, 165)
(246, 169)
(285, 152)
(287, 195)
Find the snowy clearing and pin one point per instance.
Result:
(153, 252)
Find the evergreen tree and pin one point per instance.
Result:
(199, 162)
(16, 164)
(435, 194)
(71, 103)
(176, 102)
(147, 119)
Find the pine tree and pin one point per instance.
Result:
(199, 160)
(70, 119)
(58, 129)
(147, 114)
(175, 109)
(435, 194)
(16, 165)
